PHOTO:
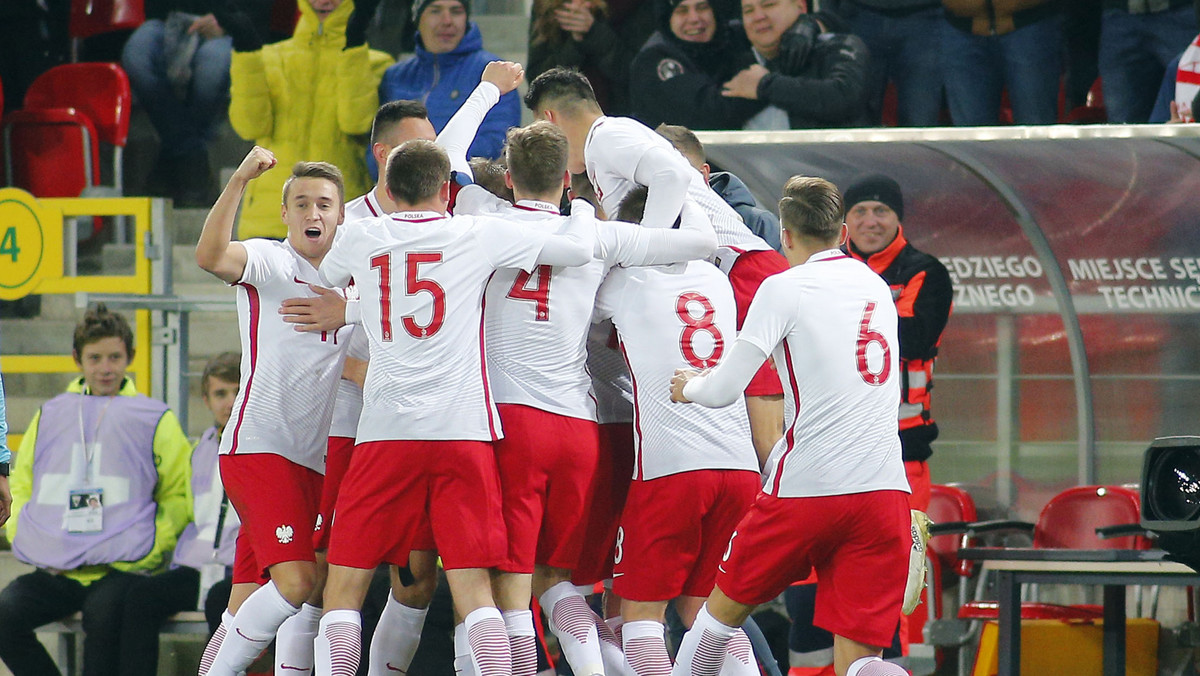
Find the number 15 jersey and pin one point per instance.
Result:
(421, 279)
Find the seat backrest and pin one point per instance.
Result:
(947, 504)
(93, 17)
(98, 90)
(51, 155)
(1070, 519)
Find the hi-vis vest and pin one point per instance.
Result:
(195, 547)
(119, 433)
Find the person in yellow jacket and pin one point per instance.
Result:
(306, 98)
(100, 493)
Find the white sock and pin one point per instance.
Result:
(522, 641)
(739, 656)
(646, 648)
(574, 623)
(396, 637)
(464, 665)
(615, 663)
(251, 630)
(704, 648)
(339, 643)
(489, 642)
(615, 623)
(214, 643)
(294, 641)
(873, 665)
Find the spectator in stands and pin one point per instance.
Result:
(5, 458)
(598, 37)
(178, 66)
(731, 189)
(100, 441)
(676, 77)
(448, 63)
(306, 98)
(992, 45)
(809, 70)
(1137, 42)
(204, 553)
(897, 34)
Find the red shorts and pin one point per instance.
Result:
(337, 460)
(547, 465)
(278, 502)
(392, 487)
(919, 482)
(614, 471)
(746, 275)
(858, 544)
(674, 529)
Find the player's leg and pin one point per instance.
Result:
(338, 644)
(277, 525)
(399, 630)
(294, 640)
(570, 619)
(238, 594)
(643, 637)
(851, 658)
(468, 528)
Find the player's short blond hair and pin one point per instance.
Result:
(537, 157)
(812, 207)
(684, 140)
(323, 170)
(416, 171)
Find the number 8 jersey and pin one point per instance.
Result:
(832, 327)
(676, 317)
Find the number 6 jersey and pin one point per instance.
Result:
(676, 317)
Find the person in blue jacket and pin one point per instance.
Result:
(448, 63)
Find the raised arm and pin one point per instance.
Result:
(573, 244)
(216, 252)
(724, 383)
(630, 245)
(499, 78)
(667, 176)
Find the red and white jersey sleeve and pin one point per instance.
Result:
(536, 326)
(832, 327)
(348, 403)
(612, 386)
(285, 402)
(614, 148)
(671, 318)
(421, 278)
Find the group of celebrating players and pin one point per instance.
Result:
(504, 387)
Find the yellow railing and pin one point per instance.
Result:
(31, 262)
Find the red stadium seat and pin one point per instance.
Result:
(948, 504)
(94, 17)
(1093, 111)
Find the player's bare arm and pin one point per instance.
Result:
(217, 252)
(458, 134)
(324, 312)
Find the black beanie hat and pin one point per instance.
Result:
(877, 188)
(420, 5)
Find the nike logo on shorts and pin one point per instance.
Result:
(616, 575)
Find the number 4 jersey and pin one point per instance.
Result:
(831, 326)
(676, 317)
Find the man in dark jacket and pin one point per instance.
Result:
(731, 188)
(809, 70)
(676, 77)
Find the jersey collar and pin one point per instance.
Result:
(537, 205)
(827, 255)
(417, 216)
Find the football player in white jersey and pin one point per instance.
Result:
(272, 462)
(428, 419)
(536, 327)
(695, 472)
(835, 497)
(619, 153)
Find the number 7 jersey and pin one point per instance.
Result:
(832, 327)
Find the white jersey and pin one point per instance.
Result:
(347, 404)
(613, 150)
(673, 318)
(612, 386)
(831, 325)
(285, 402)
(421, 279)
